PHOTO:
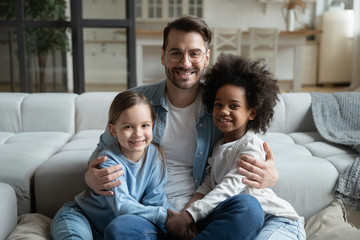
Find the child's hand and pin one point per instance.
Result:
(191, 232)
(180, 224)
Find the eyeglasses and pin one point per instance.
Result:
(195, 56)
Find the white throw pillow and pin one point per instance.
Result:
(331, 223)
(32, 226)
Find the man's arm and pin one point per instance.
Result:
(101, 179)
(259, 174)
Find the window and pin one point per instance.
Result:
(195, 7)
(175, 8)
(155, 9)
(44, 46)
(167, 9)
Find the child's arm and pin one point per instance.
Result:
(122, 202)
(230, 185)
(194, 198)
(259, 174)
(204, 188)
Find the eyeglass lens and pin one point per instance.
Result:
(195, 56)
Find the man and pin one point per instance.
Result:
(184, 129)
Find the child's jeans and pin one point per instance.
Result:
(70, 223)
(238, 217)
(280, 228)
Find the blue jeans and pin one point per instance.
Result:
(238, 217)
(131, 227)
(70, 223)
(279, 228)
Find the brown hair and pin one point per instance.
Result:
(188, 24)
(126, 100)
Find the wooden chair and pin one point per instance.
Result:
(226, 40)
(264, 44)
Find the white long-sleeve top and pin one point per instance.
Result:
(222, 180)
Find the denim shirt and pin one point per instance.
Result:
(206, 131)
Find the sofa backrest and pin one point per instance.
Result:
(23, 112)
(92, 110)
(293, 114)
(10, 111)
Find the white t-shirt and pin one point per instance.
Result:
(222, 180)
(179, 146)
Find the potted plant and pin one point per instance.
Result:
(41, 41)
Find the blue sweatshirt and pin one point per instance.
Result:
(141, 192)
(206, 131)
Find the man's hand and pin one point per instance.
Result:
(180, 224)
(100, 180)
(257, 173)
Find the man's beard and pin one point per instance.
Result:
(170, 74)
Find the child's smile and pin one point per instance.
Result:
(133, 131)
(231, 113)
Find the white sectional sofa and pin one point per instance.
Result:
(47, 138)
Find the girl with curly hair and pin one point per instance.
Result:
(242, 95)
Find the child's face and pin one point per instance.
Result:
(133, 131)
(231, 112)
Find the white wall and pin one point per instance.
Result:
(225, 13)
(252, 13)
(237, 14)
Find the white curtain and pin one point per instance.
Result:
(355, 82)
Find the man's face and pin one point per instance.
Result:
(189, 69)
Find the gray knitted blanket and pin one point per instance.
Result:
(337, 118)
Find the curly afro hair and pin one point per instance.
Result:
(260, 86)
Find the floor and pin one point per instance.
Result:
(329, 88)
(314, 88)
(121, 87)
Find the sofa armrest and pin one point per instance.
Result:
(8, 210)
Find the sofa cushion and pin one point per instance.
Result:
(283, 143)
(92, 110)
(21, 155)
(299, 117)
(8, 213)
(59, 179)
(306, 182)
(33, 127)
(342, 161)
(5, 136)
(64, 172)
(10, 109)
(84, 140)
(49, 112)
(303, 138)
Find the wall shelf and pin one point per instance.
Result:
(266, 2)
